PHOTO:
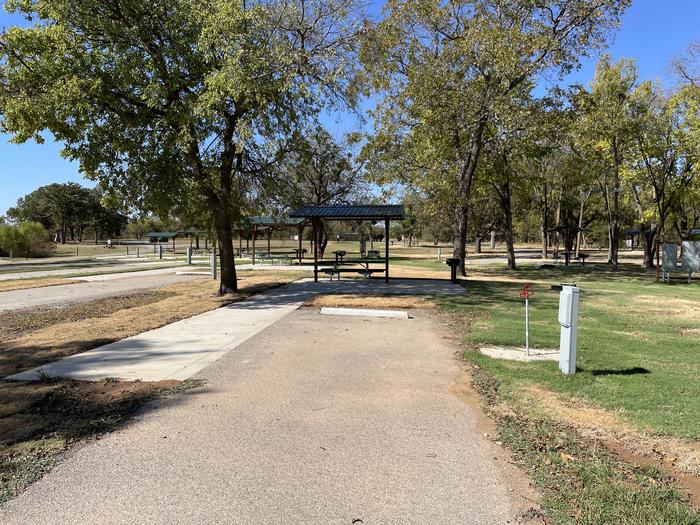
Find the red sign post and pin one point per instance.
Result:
(527, 292)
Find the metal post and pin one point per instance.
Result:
(127, 249)
(314, 223)
(189, 255)
(160, 251)
(386, 249)
(212, 262)
(138, 250)
(255, 228)
(301, 233)
(527, 326)
(568, 319)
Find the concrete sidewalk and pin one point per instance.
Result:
(314, 422)
(181, 349)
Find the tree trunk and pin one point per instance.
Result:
(466, 178)
(544, 224)
(323, 233)
(228, 282)
(557, 235)
(650, 242)
(504, 194)
(97, 234)
(579, 233)
(510, 241)
(615, 215)
(477, 244)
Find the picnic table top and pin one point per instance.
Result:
(354, 261)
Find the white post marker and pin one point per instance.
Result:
(213, 266)
(568, 320)
(525, 294)
(439, 254)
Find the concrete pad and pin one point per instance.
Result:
(364, 312)
(518, 354)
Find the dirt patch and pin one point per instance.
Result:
(23, 284)
(28, 410)
(370, 301)
(690, 331)
(17, 323)
(680, 458)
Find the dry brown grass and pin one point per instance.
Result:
(370, 301)
(654, 307)
(180, 301)
(23, 284)
(614, 428)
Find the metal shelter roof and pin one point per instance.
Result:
(263, 223)
(162, 235)
(375, 212)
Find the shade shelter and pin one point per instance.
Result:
(269, 224)
(318, 213)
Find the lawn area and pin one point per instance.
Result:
(638, 343)
(636, 389)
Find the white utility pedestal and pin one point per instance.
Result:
(568, 320)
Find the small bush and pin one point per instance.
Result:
(27, 239)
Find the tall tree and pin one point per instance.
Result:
(314, 168)
(605, 131)
(445, 69)
(163, 100)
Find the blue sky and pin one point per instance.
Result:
(652, 33)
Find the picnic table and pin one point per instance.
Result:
(363, 263)
(581, 258)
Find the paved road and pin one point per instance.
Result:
(312, 421)
(88, 291)
(91, 267)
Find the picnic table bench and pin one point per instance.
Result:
(568, 256)
(364, 269)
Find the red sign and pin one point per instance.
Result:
(528, 290)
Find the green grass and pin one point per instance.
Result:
(636, 363)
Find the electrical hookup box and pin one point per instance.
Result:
(568, 322)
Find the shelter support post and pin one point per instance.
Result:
(386, 249)
(315, 225)
(254, 235)
(301, 234)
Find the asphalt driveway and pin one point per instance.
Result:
(316, 419)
